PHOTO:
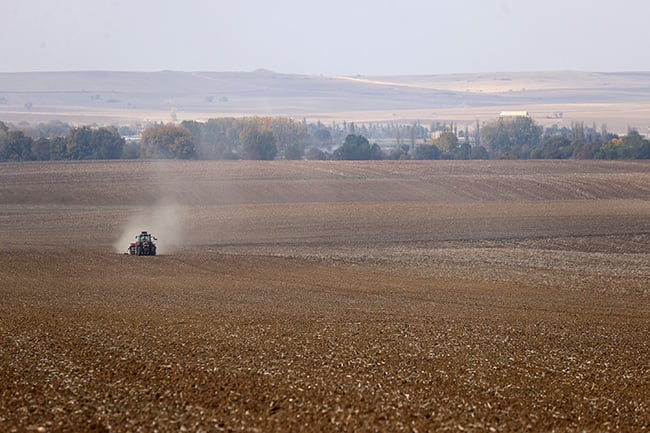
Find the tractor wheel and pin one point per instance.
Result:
(140, 251)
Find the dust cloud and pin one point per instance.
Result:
(164, 220)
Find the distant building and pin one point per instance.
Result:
(514, 114)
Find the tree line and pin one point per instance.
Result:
(268, 138)
(77, 144)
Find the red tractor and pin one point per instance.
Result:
(143, 245)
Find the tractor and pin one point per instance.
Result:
(143, 245)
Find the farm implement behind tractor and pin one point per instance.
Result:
(144, 245)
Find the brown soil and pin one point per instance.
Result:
(304, 296)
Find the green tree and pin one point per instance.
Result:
(3, 140)
(426, 151)
(107, 143)
(213, 139)
(400, 153)
(632, 146)
(635, 146)
(511, 137)
(447, 142)
(167, 141)
(79, 143)
(479, 152)
(257, 144)
(88, 143)
(584, 150)
(41, 149)
(15, 146)
(356, 148)
(57, 148)
(555, 148)
(294, 151)
(291, 137)
(221, 138)
(463, 151)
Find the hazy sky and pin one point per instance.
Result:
(349, 37)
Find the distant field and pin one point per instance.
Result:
(325, 296)
(619, 100)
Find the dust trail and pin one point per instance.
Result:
(164, 220)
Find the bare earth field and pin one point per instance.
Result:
(326, 296)
(618, 99)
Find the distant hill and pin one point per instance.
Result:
(619, 99)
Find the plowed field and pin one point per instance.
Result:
(325, 296)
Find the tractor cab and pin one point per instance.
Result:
(143, 245)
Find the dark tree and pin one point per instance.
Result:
(79, 143)
(41, 149)
(87, 143)
(426, 151)
(356, 148)
(463, 151)
(294, 151)
(15, 146)
(479, 152)
(555, 148)
(108, 143)
(400, 153)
